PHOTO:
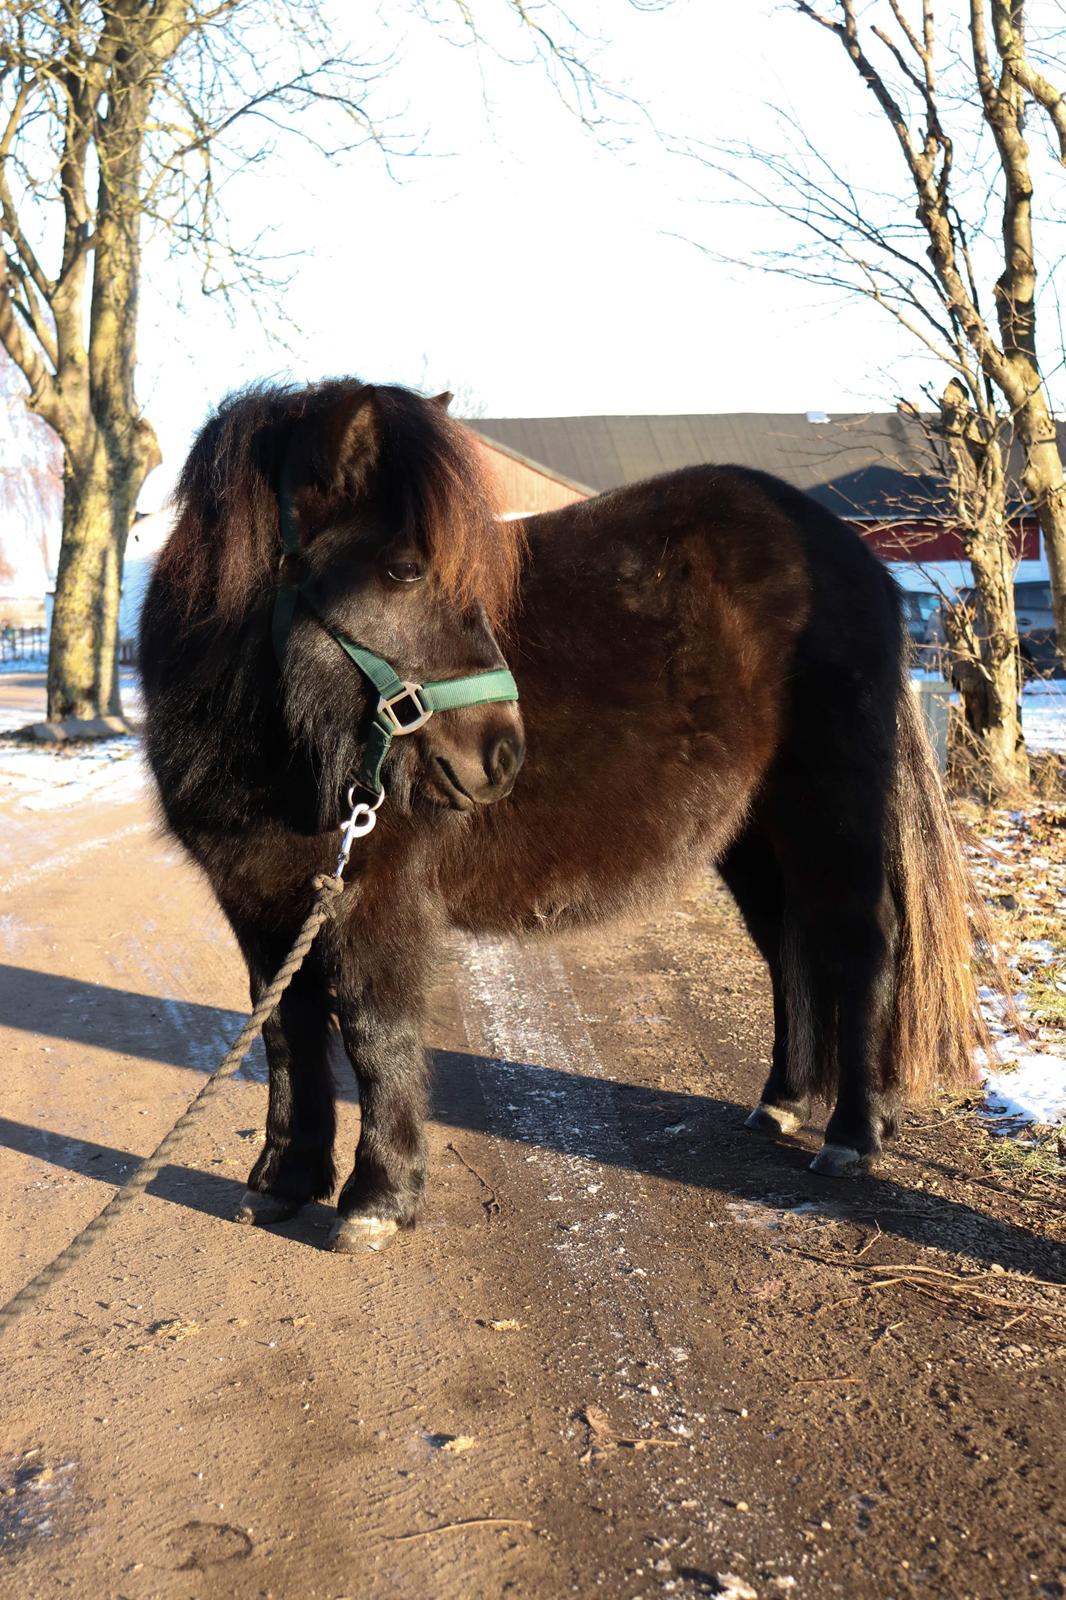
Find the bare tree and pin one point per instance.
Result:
(924, 265)
(953, 468)
(112, 113)
(117, 116)
(1007, 84)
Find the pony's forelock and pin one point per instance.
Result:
(446, 503)
(226, 547)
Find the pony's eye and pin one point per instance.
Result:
(406, 572)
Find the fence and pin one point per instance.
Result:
(934, 699)
(31, 644)
(23, 644)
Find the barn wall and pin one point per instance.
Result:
(521, 489)
(932, 541)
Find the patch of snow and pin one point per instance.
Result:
(1034, 1089)
(1024, 1078)
(1044, 715)
(1043, 949)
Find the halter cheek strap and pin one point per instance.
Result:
(402, 707)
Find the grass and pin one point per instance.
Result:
(1036, 1156)
(1045, 998)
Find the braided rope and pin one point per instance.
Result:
(327, 890)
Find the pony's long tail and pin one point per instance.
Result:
(936, 1023)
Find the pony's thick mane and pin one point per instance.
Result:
(226, 545)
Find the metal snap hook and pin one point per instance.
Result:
(362, 821)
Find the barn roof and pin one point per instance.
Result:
(863, 465)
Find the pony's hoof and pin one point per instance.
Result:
(773, 1120)
(840, 1161)
(351, 1235)
(260, 1210)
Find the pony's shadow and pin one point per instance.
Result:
(701, 1143)
(194, 1188)
(694, 1140)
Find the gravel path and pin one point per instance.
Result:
(632, 1350)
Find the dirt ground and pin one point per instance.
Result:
(633, 1350)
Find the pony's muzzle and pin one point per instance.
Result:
(468, 778)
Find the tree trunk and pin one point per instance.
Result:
(104, 473)
(986, 659)
(99, 496)
(988, 671)
(1045, 482)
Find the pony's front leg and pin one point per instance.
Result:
(381, 1029)
(295, 1164)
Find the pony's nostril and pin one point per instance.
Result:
(504, 759)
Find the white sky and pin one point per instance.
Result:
(535, 272)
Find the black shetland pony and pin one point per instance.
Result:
(712, 669)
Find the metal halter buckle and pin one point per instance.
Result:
(406, 711)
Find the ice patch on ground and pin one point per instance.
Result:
(32, 1494)
(46, 778)
(24, 664)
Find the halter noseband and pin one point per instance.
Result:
(403, 707)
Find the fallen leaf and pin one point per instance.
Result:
(603, 1439)
(506, 1325)
(453, 1443)
(730, 1587)
(174, 1329)
(598, 1420)
(461, 1442)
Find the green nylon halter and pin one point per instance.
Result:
(403, 707)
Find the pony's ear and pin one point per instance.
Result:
(443, 400)
(351, 439)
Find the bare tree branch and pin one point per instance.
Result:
(1011, 46)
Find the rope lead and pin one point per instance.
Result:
(327, 889)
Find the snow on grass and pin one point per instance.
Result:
(1044, 715)
(1033, 1088)
(1025, 1079)
(1020, 870)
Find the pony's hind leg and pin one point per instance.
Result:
(295, 1164)
(751, 873)
(842, 949)
(857, 961)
